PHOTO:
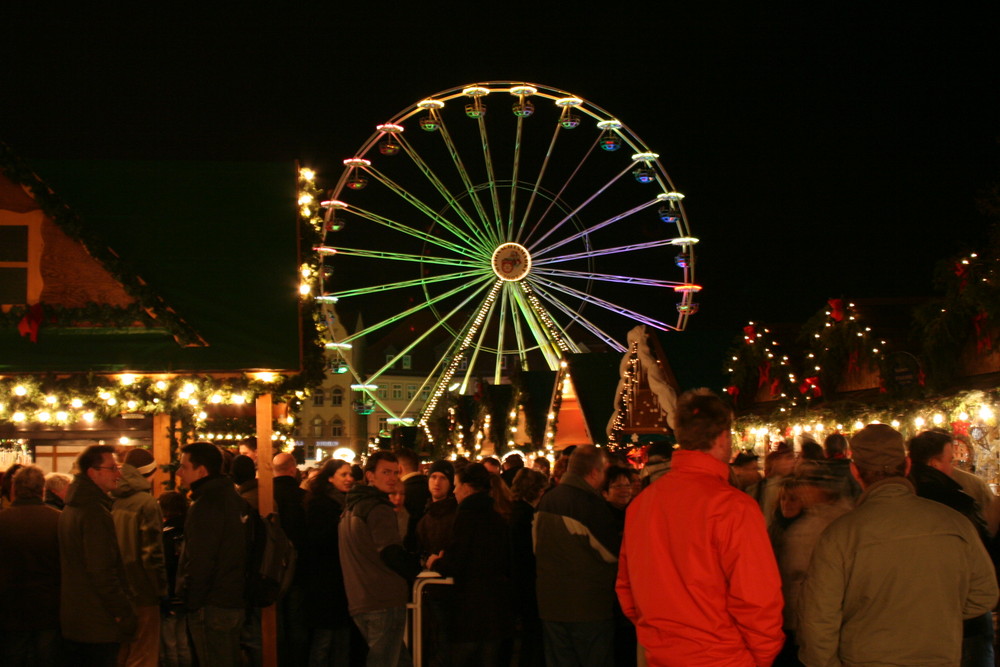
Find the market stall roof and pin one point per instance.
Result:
(595, 378)
(215, 242)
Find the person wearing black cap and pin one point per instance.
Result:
(139, 527)
(434, 529)
(891, 581)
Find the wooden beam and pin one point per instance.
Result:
(161, 451)
(265, 490)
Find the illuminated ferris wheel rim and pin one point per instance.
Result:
(499, 266)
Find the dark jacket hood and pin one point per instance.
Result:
(131, 482)
(361, 500)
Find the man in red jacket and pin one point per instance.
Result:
(696, 573)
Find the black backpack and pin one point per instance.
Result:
(270, 559)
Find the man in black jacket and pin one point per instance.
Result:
(289, 501)
(211, 574)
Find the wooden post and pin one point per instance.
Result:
(161, 451)
(265, 491)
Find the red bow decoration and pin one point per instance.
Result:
(749, 333)
(836, 309)
(811, 383)
(31, 322)
(733, 391)
(775, 386)
(962, 273)
(960, 428)
(764, 374)
(983, 342)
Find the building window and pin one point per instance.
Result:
(425, 394)
(383, 391)
(411, 391)
(319, 397)
(13, 264)
(337, 397)
(383, 424)
(389, 358)
(337, 428)
(407, 362)
(397, 391)
(317, 427)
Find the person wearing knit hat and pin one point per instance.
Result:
(891, 581)
(139, 526)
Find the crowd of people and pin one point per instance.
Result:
(872, 551)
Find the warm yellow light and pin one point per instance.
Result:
(895, 423)
(290, 420)
(161, 385)
(43, 416)
(919, 422)
(76, 403)
(62, 415)
(18, 417)
(20, 391)
(112, 400)
(126, 378)
(123, 440)
(88, 416)
(938, 418)
(132, 405)
(307, 174)
(216, 398)
(820, 427)
(963, 416)
(202, 415)
(239, 399)
(797, 430)
(50, 399)
(304, 289)
(264, 377)
(985, 413)
(858, 425)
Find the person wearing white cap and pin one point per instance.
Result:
(139, 527)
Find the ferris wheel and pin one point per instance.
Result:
(514, 223)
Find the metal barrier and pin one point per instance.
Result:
(415, 628)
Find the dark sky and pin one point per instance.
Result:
(824, 150)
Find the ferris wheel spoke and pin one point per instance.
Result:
(557, 333)
(559, 194)
(416, 282)
(600, 252)
(467, 182)
(490, 174)
(415, 309)
(501, 329)
(514, 177)
(449, 198)
(579, 319)
(601, 303)
(538, 183)
(456, 350)
(606, 277)
(569, 216)
(416, 233)
(592, 228)
(479, 342)
(522, 349)
(423, 208)
(438, 324)
(541, 335)
(404, 257)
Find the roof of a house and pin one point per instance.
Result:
(216, 243)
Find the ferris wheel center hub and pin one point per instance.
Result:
(511, 262)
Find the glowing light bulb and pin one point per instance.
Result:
(963, 416)
(76, 403)
(895, 423)
(62, 415)
(20, 390)
(18, 417)
(858, 425)
(937, 418)
(50, 399)
(126, 379)
(43, 416)
(985, 413)
(123, 440)
(161, 385)
(919, 422)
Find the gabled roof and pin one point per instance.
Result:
(207, 250)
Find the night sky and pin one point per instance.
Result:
(824, 150)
